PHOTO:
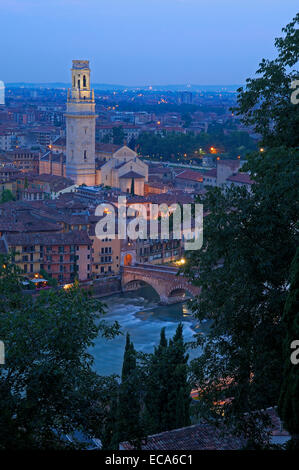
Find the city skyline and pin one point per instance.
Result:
(206, 42)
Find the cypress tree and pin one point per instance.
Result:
(288, 406)
(133, 186)
(129, 361)
(179, 390)
(156, 388)
(167, 392)
(128, 425)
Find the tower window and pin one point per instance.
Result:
(79, 83)
(85, 155)
(84, 81)
(74, 82)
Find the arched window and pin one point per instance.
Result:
(85, 155)
(79, 83)
(84, 81)
(74, 82)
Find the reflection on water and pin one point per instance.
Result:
(140, 314)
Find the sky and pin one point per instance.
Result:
(140, 42)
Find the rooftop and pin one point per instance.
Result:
(241, 178)
(191, 175)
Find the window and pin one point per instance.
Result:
(85, 155)
(84, 81)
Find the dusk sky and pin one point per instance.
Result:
(140, 42)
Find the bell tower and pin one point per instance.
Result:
(80, 126)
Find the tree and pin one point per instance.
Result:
(167, 392)
(7, 196)
(50, 281)
(47, 385)
(118, 135)
(179, 388)
(265, 102)
(187, 119)
(156, 388)
(288, 402)
(249, 241)
(127, 422)
(132, 186)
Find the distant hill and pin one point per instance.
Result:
(111, 87)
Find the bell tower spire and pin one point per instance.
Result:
(80, 126)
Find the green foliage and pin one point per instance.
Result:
(187, 118)
(288, 401)
(118, 135)
(47, 385)
(172, 146)
(265, 102)
(51, 281)
(132, 186)
(242, 269)
(7, 196)
(167, 392)
(125, 418)
(250, 239)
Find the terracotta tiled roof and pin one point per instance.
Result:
(196, 437)
(211, 173)
(205, 436)
(76, 238)
(241, 178)
(132, 174)
(191, 175)
(233, 164)
(107, 148)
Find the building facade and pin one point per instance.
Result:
(80, 126)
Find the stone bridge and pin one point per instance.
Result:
(170, 287)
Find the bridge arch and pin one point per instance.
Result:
(139, 283)
(170, 287)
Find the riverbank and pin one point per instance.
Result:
(140, 314)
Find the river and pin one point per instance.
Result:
(140, 314)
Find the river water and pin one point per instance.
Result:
(140, 314)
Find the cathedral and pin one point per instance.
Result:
(78, 156)
(123, 169)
